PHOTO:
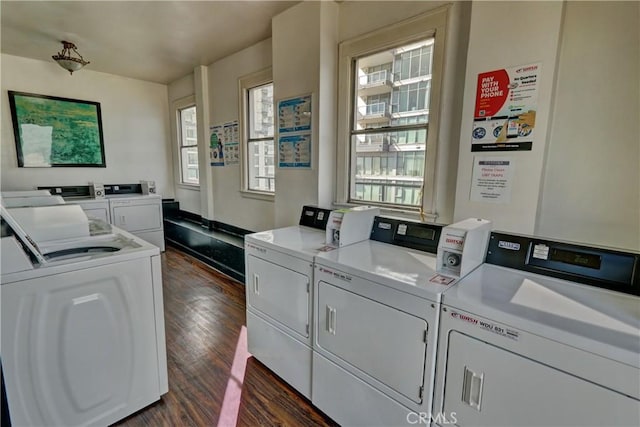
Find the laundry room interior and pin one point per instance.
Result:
(374, 213)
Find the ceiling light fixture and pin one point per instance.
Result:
(68, 62)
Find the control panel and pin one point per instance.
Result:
(602, 267)
(409, 234)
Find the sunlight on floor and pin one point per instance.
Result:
(232, 395)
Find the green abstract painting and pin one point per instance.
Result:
(52, 131)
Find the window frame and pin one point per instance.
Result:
(178, 106)
(424, 26)
(245, 84)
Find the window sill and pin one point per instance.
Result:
(192, 187)
(411, 215)
(267, 197)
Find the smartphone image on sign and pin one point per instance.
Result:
(512, 127)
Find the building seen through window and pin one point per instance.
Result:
(189, 145)
(390, 123)
(260, 145)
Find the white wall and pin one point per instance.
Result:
(587, 112)
(188, 196)
(231, 206)
(503, 35)
(134, 119)
(591, 189)
(201, 86)
(361, 17)
(304, 55)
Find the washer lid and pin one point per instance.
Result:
(407, 270)
(298, 241)
(595, 319)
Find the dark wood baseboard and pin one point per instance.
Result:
(222, 251)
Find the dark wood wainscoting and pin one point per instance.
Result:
(205, 317)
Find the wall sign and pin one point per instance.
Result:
(224, 144)
(505, 110)
(294, 151)
(216, 153)
(294, 132)
(492, 178)
(294, 114)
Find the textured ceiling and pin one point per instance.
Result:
(158, 41)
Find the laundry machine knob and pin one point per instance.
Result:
(453, 260)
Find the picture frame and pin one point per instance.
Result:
(51, 131)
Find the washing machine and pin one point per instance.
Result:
(544, 333)
(376, 322)
(83, 337)
(279, 276)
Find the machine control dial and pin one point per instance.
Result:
(452, 259)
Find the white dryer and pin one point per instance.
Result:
(140, 215)
(376, 322)
(544, 333)
(279, 276)
(82, 322)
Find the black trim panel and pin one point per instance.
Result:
(615, 270)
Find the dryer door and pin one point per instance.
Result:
(137, 216)
(386, 343)
(280, 293)
(486, 385)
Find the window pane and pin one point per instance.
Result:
(189, 160)
(261, 111)
(260, 131)
(188, 126)
(389, 165)
(189, 145)
(359, 166)
(367, 165)
(261, 166)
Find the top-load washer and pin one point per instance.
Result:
(376, 322)
(82, 319)
(136, 208)
(544, 333)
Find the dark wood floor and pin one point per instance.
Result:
(204, 316)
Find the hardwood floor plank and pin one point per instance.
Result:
(204, 314)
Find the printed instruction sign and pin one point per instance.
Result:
(439, 279)
(294, 132)
(216, 154)
(231, 153)
(294, 151)
(492, 179)
(224, 144)
(505, 110)
(294, 114)
(231, 149)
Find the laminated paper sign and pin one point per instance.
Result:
(294, 151)
(294, 132)
(223, 144)
(492, 179)
(505, 110)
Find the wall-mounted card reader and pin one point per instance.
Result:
(463, 246)
(348, 226)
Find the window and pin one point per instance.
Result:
(188, 142)
(387, 123)
(257, 114)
